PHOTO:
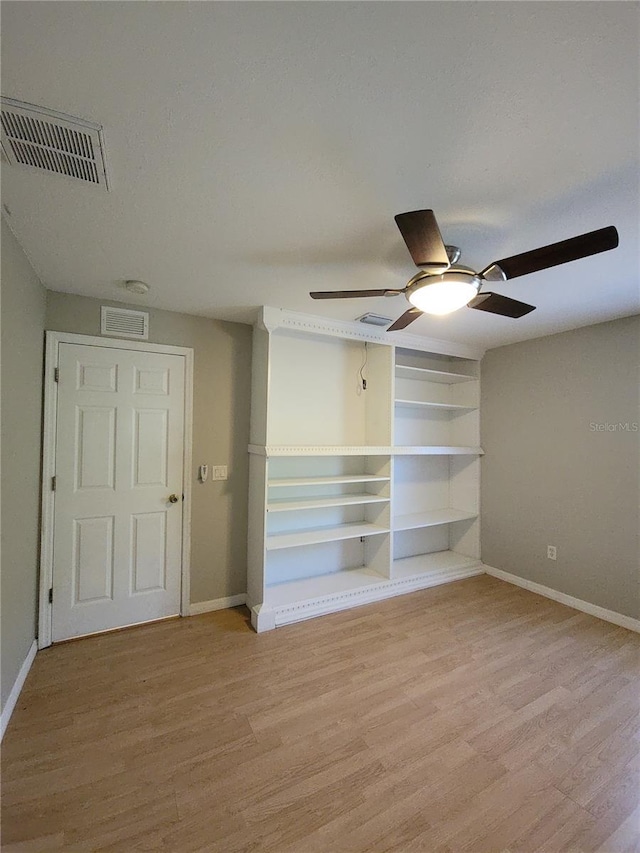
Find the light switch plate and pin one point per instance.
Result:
(219, 472)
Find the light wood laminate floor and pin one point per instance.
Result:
(471, 717)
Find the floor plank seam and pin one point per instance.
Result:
(569, 797)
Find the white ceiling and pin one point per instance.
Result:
(260, 150)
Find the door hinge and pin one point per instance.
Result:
(53, 484)
(56, 374)
(51, 596)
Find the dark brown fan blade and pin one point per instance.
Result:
(558, 253)
(420, 232)
(351, 294)
(402, 322)
(498, 304)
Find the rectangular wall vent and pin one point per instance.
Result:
(374, 320)
(53, 142)
(124, 323)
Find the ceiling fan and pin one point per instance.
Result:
(443, 285)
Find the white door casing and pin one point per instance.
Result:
(113, 543)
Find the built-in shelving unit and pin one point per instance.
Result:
(357, 493)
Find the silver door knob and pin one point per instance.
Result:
(173, 499)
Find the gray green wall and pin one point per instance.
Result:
(551, 476)
(222, 383)
(22, 316)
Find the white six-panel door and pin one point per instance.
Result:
(119, 465)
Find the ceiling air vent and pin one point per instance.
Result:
(124, 323)
(374, 320)
(43, 139)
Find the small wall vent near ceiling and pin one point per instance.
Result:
(124, 323)
(374, 320)
(53, 142)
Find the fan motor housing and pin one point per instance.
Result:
(457, 273)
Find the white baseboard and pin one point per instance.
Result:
(217, 604)
(13, 697)
(561, 597)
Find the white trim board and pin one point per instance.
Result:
(562, 598)
(53, 340)
(12, 699)
(271, 319)
(217, 604)
(266, 616)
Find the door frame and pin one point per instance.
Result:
(52, 346)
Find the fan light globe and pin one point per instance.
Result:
(443, 294)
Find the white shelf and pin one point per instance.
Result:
(398, 450)
(431, 518)
(427, 564)
(319, 450)
(323, 534)
(436, 450)
(328, 481)
(420, 404)
(427, 375)
(307, 589)
(319, 503)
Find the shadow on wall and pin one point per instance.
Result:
(236, 490)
